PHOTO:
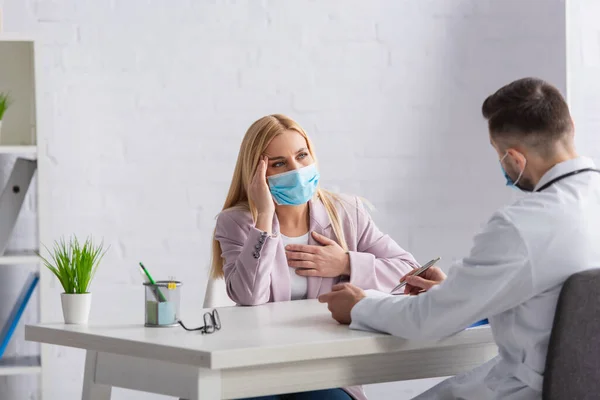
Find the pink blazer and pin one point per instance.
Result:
(256, 269)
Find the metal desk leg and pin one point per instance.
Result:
(91, 389)
(208, 385)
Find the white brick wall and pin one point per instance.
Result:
(583, 66)
(144, 104)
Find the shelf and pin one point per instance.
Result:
(20, 365)
(14, 37)
(32, 150)
(19, 257)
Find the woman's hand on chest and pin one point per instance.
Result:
(327, 261)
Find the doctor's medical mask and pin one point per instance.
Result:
(515, 183)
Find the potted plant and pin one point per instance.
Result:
(5, 102)
(75, 266)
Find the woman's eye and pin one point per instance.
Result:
(277, 164)
(301, 156)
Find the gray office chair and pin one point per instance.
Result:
(573, 361)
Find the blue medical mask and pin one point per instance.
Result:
(509, 181)
(295, 187)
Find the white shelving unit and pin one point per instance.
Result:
(19, 150)
(19, 137)
(20, 366)
(19, 257)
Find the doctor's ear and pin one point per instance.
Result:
(572, 128)
(517, 157)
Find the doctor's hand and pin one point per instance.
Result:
(422, 283)
(342, 300)
(327, 261)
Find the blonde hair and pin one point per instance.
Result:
(256, 140)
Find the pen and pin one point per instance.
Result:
(160, 297)
(146, 280)
(418, 272)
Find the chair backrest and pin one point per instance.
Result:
(216, 294)
(573, 360)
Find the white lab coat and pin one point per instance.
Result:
(513, 276)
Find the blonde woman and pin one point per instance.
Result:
(280, 237)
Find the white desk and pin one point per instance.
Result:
(276, 348)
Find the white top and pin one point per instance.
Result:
(286, 331)
(513, 276)
(299, 284)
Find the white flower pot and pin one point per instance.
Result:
(76, 307)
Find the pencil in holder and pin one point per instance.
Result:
(162, 303)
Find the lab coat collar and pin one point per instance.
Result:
(564, 168)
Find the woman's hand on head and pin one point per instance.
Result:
(259, 192)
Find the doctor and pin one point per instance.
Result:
(519, 261)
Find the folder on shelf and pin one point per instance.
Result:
(17, 312)
(12, 197)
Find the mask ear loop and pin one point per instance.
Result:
(521, 174)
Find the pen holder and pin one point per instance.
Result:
(162, 303)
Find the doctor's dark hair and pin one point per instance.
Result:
(528, 110)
